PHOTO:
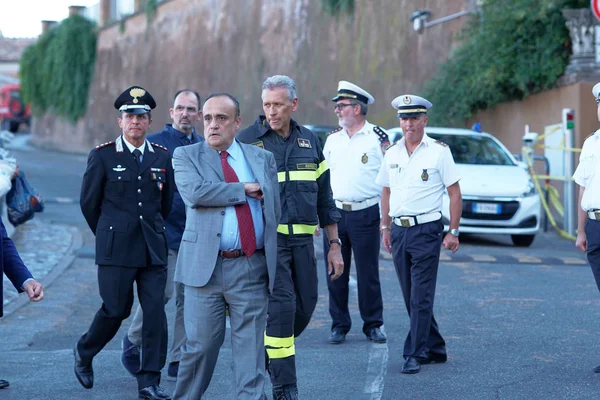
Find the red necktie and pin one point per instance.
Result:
(242, 211)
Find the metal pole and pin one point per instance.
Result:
(569, 189)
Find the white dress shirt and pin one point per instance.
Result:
(417, 182)
(354, 163)
(587, 173)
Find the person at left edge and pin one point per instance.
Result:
(12, 266)
(126, 194)
(184, 113)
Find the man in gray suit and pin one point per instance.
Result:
(228, 251)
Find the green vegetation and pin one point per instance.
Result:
(57, 71)
(511, 50)
(337, 7)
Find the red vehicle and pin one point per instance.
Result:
(13, 111)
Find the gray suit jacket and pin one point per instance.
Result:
(200, 181)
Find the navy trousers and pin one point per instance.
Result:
(592, 231)
(359, 232)
(416, 252)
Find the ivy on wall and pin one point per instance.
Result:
(511, 50)
(337, 7)
(56, 71)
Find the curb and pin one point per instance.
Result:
(65, 262)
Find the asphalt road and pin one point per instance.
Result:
(524, 329)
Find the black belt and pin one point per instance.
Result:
(233, 253)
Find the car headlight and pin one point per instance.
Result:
(530, 190)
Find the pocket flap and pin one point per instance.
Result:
(112, 225)
(190, 236)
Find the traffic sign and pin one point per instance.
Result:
(595, 5)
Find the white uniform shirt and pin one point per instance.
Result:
(587, 173)
(354, 163)
(417, 182)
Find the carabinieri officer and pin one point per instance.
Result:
(414, 174)
(126, 193)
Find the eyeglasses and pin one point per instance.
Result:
(340, 106)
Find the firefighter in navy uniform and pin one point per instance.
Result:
(126, 194)
(306, 202)
(354, 154)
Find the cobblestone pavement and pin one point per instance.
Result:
(41, 247)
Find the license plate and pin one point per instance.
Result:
(487, 208)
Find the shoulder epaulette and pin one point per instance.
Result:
(335, 130)
(441, 143)
(383, 138)
(104, 144)
(159, 146)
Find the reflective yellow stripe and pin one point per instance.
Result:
(297, 229)
(281, 353)
(298, 176)
(278, 342)
(303, 175)
(322, 168)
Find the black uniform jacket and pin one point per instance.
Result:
(125, 203)
(303, 175)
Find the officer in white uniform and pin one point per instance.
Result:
(354, 154)
(587, 176)
(414, 175)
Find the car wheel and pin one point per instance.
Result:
(522, 240)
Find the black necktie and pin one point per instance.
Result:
(138, 155)
(186, 141)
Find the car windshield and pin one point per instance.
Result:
(474, 149)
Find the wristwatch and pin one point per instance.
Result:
(336, 241)
(454, 232)
(384, 227)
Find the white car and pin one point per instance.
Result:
(498, 194)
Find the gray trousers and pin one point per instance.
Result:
(242, 284)
(135, 329)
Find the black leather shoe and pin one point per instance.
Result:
(285, 392)
(83, 372)
(597, 369)
(411, 366)
(376, 335)
(4, 384)
(436, 358)
(153, 392)
(337, 337)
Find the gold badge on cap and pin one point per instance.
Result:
(406, 100)
(135, 93)
(424, 176)
(304, 143)
(365, 158)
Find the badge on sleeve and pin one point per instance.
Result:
(424, 176)
(260, 144)
(304, 143)
(365, 158)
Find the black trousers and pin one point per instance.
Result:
(416, 252)
(359, 232)
(592, 231)
(116, 289)
(291, 305)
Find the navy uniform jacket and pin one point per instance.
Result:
(172, 138)
(125, 203)
(11, 264)
(303, 175)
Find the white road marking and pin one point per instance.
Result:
(378, 360)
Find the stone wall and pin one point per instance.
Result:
(233, 45)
